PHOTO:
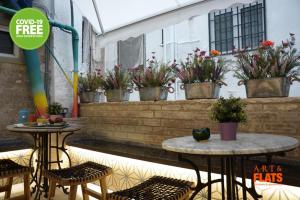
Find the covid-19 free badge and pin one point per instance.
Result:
(29, 28)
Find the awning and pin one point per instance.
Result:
(120, 19)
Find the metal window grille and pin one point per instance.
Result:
(237, 27)
(6, 45)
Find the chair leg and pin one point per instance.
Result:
(9, 186)
(26, 187)
(85, 196)
(73, 191)
(103, 187)
(52, 190)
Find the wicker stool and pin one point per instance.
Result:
(156, 188)
(79, 175)
(9, 170)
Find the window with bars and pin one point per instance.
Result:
(237, 27)
(223, 32)
(252, 26)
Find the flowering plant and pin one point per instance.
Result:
(268, 61)
(200, 68)
(155, 75)
(118, 78)
(91, 82)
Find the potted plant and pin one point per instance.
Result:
(55, 111)
(201, 75)
(228, 112)
(154, 82)
(117, 85)
(88, 86)
(269, 71)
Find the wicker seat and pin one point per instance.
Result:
(79, 175)
(156, 188)
(9, 170)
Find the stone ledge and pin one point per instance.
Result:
(248, 100)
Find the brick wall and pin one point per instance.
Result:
(149, 123)
(14, 86)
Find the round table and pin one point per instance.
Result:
(42, 146)
(246, 145)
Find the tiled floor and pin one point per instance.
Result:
(18, 189)
(129, 172)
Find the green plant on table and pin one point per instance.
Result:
(229, 110)
(55, 109)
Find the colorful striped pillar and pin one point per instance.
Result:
(37, 85)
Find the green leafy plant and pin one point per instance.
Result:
(268, 61)
(55, 109)
(200, 68)
(117, 79)
(90, 83)
(229, 110)
(155, 75)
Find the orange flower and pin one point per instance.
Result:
(267, 43)
(215, 52)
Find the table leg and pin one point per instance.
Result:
(45, 163)
(243, 177)
(200, 185)
(222, 179)
(228, 178)
(42, 148)
(233, 178)
(251, 191)
(209, 178)
(60, 147)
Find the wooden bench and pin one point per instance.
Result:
(9, 170)
(79, 175)
(156, 188)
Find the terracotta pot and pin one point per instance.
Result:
(228, 130)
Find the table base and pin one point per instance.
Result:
(43, 147)
(228, 169)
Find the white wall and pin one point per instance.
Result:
(61, 91)
(282, 17)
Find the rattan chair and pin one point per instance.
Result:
(9, 170)
(156, 188)
(79, 175)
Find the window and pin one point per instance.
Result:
(131, 52)
(237, 27)
(252, 26)
(223, 32)
(6, 44)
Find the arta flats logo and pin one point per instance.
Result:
(268, 173)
